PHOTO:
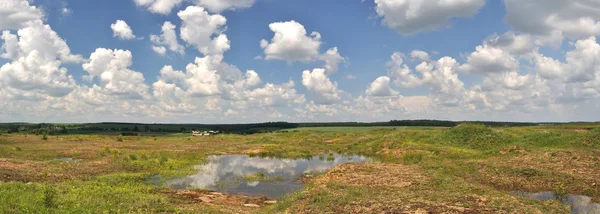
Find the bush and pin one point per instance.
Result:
(133, 157)
(44, 137)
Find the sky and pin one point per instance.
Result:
(246, 61)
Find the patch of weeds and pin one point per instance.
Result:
(164, 157)
(475, 136)
(119, 139)
(50, 198)
(133, 157)
(44, 137)
(18, 149)
(528, 172)
(412, 158)
(560, 189)
(330, 157)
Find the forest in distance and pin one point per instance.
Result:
(251, 128)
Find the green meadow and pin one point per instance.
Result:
(469, 168)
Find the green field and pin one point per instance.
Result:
(358, 129)
(469, 168)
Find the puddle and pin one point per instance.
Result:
(255, 176)
(67, 160)
(579, 204)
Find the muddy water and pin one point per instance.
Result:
(230, 173)
(579, 204)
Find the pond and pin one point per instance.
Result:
(579, 204)
(255, 176)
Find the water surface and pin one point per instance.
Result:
(579, 204)
(230, 173)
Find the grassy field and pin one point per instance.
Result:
(469, 168)
(358, 129)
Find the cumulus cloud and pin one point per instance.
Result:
(14, 14)
(420, 55)
(403, 76)
(122, 30)
(320, 86)
(115, 77)
(167, 38)
(552, 20)
(332, 60)
(441, 76)
(158, 6)
(582, 64)
(381, 88)
(291, 42)
(160, 50)
(36, 55)
(275, 95)
(207, 78)
(218, 6)
(413, 16)
(488, 59)
(203, 30)
(513, 43)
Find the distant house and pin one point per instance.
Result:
(204, 133)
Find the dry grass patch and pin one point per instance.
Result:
(374, 175)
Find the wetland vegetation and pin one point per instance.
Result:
(468, 168)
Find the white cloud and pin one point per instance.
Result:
(115, 77)
(203, 30)
(413, 16)
(381, 88)
(403, 76)
(582, 64)
(349, 77)
(551, 20)
(487, 59)
(218, 6)
(332, 60)
(275, 95)
(419, 55)
(122, 30)
(14, 14)
(291, 43)
(36, 55)
(167, 38)
(320, 86)
(231, 113)
(160, 50)
(516, 44)
(158, 6)
(66, 11)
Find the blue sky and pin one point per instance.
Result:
(510, 77)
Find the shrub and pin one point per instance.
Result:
(18, 149)
(133, 157)
(44, 137)
(120, 139)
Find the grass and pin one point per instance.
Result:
(355, 129)
(470, 167)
